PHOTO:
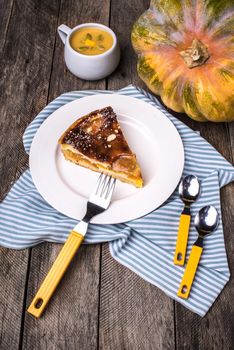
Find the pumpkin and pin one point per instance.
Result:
(186, 54)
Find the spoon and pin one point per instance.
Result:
(189, 190)
(206, 221)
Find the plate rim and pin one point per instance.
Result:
(105, 95)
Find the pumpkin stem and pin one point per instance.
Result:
(196, 54)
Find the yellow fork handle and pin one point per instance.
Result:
(190, 272)
(55, 274)
(182, 239)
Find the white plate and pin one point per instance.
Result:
(151, 136)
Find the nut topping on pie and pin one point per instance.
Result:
(96, 141)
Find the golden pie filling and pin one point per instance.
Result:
(96, 141)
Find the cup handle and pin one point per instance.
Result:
(63, 32)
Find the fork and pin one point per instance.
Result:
(98, 202)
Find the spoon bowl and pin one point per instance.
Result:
(189, 189)
(206, 220)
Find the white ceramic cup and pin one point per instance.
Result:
(89, 67)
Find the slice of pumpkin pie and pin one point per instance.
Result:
(96, 142)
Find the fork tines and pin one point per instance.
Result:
(105, 186)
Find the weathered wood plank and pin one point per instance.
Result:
(133, 313)
(231, 138)
(23, 92)
(123, 15)
(12, 285)
(71, 319)
(5, 14)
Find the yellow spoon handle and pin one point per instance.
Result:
(182, 239)
(190, 272)
(55, 274)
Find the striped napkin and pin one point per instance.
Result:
(146, 245)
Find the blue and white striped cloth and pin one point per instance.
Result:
(145, 245)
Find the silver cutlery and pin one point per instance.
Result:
(189, 190)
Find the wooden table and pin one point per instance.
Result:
(100, 303)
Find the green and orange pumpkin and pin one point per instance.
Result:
(186, 54)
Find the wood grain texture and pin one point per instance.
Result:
(13, 271)
(134, 314)
(71, 319)
(123, 15)
(23, 92)
(5, 15)
(231, 138)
